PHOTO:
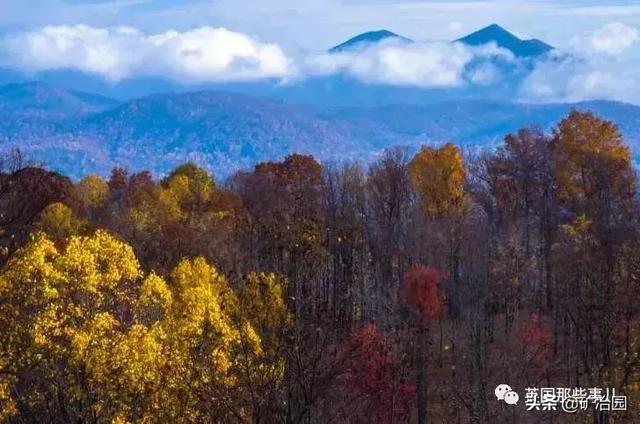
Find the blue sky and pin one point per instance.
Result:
(317, 24)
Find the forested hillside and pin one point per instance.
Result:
(298, 292)
(77, 134)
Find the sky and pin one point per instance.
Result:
(239, 40)
(319, 24)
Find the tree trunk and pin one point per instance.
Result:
(421, 383)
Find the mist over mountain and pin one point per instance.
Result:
(486, 75)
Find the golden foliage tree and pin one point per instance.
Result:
(59, 221)
(591, 160)
(86, 336)
(438, 175)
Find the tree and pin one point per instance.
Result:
(592, 164)
(345, 215)
(183, 215)
(374, 378)
(87, 337)
(25, 191)
(284, 232)
(91, 193)
(422, 293)
(439, 176)
(262, 309)
(596, 186)
(389, 199)
(60, 222)
(521, 181)
(58, 309)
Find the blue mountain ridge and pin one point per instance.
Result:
(496, 34)
(226, 131)
(493, 33)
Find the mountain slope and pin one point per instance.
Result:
(226, 131)
(368, 38)
(34, 109)
(49, 101)
(503, 38)
(223, 131)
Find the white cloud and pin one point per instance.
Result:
(485, 74)
(202, 54)
(208, 54)
(433, 64)
(613, 38)
(605, 65)
(573, 79)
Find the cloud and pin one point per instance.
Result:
(116, 53)
(613, 38)
(208, 54)
(484, 74)
(573, 80)
(426, 65)
(604, 65)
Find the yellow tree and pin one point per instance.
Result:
(439, 176)
(92, 191)
(184, 215)
(86, 337)
(54, 305)
(60, 222)
(262, 309)
(202, 344)
(591, 162)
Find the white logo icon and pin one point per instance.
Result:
(511, 398)
(502, 390)
(505, 393)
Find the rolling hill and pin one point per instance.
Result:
(227, 131)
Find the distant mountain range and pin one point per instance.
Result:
(338, 89)
(493, 33)
(226, 127)
(76, 133)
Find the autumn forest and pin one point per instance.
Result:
(398, 291)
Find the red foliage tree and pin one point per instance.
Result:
(422, 292)
(535, 339)
(374, 378)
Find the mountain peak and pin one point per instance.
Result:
(495, 28)
(367, 38)
(494, 33)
